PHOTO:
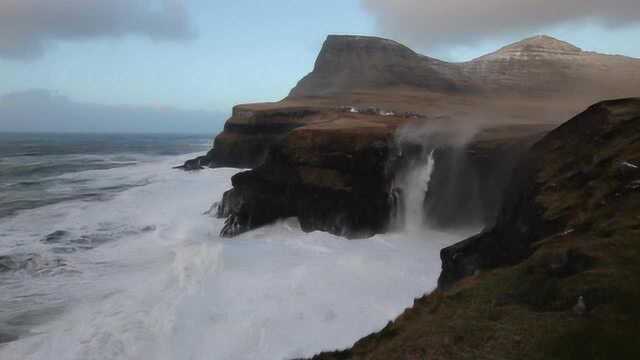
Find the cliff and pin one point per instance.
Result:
(363, 92)
(557, 276)
(332, 175)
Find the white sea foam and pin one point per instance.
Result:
(165, 286)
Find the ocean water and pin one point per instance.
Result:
(106, 252)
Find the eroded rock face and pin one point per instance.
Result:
(547, 196)
(332, 178)
(340, 175)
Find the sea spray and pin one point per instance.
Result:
(166, 286)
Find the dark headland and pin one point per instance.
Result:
(520, 151)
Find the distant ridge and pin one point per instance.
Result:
(536, 66)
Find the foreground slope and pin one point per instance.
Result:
(558, 276)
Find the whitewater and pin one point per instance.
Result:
(143, 274)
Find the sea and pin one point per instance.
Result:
(107, 252)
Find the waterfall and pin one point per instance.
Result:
(410, 190)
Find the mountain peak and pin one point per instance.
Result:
(342, 44)
(545, 42)
(536, 46)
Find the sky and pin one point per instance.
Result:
(198, 58)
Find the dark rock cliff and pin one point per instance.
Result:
(572, 156)
(332, 178)
(340, 177)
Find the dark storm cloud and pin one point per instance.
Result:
(438, 22)
(46, 111)
(27, 26)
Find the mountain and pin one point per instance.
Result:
(348, 63)
(535, 81)
(537, 66)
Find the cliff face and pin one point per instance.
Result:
(364, 89)
(467, 186)
(557, 276)
(557, 188)
(332, 175)
(251, 131)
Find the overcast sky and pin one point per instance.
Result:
(203, 55)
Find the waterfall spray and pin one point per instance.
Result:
(410, 190)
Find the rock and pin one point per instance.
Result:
(532, 210)
(332, 178)
(198, 163)
(337, 173)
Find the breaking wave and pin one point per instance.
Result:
(143, 274)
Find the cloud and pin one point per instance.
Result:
(430, 23)
(46, 111)
(27, 27)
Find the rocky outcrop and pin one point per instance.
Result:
(333, 176)
(340, 176)
(573, 158)
(249, 133)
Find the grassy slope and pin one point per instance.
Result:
(527, 311)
